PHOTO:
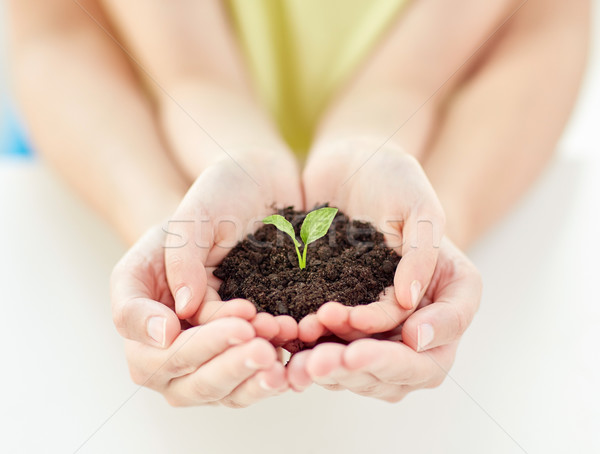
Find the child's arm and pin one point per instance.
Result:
(188, 57)
(88, 116)
(483, 133)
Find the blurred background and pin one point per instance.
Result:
(11, 138)
(525, 379)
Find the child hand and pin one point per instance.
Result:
(225, 203)
(389, 369)
(389, 189)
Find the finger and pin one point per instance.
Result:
(136, 311)
(393, 393)
(221, 375)
(383, 315)
(262, 385)
(288, 330)
(365, 384)
(325, 366)
(310, 329)
(265, 325)
(154, 367)
(323, 360)
(213, 309)
(297, 376)
(448, 317)
(390, 362)
(187, 243)
(361, 383)
(334, 317)
(421, 233)
(147, 321)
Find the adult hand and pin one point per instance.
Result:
(388, 188)
(220, 362)
(416, 355)
(226, 202)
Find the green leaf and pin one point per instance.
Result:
(282, 224)
(316, 224)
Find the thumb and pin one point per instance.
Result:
(421, 235)
(185, 255)
(456, 299)
(136, 311)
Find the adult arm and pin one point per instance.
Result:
(88, 116)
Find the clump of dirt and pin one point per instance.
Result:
(350, 265)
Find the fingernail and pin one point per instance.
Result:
(157, 327)
(235, 341)
(415, 293)
(424, 336)
(264, 385)
(182, 298)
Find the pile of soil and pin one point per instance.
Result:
(350, 265)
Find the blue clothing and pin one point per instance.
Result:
(12, 137)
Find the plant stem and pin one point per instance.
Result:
(301, 262)
(304, 257)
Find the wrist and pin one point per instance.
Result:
(458, 227)
(390, 116)
(136, 214)
(345, 156)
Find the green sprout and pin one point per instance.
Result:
(315, 226)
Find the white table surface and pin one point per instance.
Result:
(526, 378)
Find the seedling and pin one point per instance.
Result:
(316, 225)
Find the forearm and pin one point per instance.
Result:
(481, 135)
(394, 98)
(206, 121)
(501, 127)
(196, 74)
(88, 118)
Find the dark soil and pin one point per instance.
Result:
(351, 265)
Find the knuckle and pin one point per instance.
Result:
(137, 376)
(119, 319)
(436, 381)
(176, 401)
(229, 326)
(178, 367)
(174, 262)
(401, 378)
(396, 396)
(333, 387)
(173, 402)
(230, 403)
(461, 321)
(368, 390)
(206, 392)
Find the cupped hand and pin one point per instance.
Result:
(387, 187)
(222, 361)
(417, 354)
(226, 202)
